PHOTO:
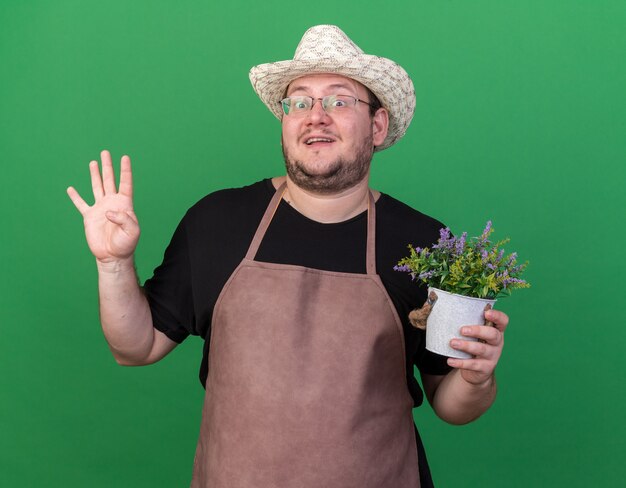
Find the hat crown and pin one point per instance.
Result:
(325, 41)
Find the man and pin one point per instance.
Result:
(308, 358)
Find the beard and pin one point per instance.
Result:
(340, 174)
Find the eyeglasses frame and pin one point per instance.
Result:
(321, 99)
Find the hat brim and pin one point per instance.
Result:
(385, 78)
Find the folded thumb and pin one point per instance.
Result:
(114, 217)
(120, 218)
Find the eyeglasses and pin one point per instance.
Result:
(301, 105)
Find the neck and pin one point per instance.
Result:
(327, 208)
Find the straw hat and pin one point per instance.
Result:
(327, 49)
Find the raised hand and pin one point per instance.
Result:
(111, 226)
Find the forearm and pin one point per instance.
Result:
(459, 402)
(124, 313)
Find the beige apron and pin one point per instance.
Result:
(306, 384)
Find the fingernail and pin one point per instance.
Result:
(465, 330)
(455, 343)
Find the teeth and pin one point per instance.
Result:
(317, 139)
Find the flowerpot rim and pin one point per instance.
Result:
(438, 290)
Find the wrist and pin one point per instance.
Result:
(116, 266)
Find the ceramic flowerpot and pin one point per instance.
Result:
(449, 313)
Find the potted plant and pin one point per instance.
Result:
(464, 278)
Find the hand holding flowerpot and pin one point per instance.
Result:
(485, 352)
(448, 314)
(463, 277)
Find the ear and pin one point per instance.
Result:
(380, 126)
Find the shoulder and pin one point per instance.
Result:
(402, 223)
(231, 203)
(234, 197)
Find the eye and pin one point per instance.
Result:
(300, 104)
(340, 101)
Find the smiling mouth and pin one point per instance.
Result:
(313, 140)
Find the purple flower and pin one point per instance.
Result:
(460, 244)
(487, 230)
(483, 241)
(511, 260)
(426, 274)
(510, 281)
(483, 262)
(445, 242)
(404, 267)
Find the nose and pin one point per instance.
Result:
(317, 114)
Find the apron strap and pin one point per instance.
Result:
(371, 235)
(265, 221)
(273, 206)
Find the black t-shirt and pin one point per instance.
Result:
(214, 236)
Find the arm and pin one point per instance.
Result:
(468, 391)
(112, 232)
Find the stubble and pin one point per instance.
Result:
(340, 175)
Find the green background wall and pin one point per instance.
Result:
(520, 118)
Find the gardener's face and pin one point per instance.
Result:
(327, 151)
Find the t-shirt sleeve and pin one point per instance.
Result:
(431, 363)
(169, 291)
(410, 227)
(399, 226)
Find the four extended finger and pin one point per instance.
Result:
(126, 177)
(96, 181)
(77, 200)
(108, 176)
